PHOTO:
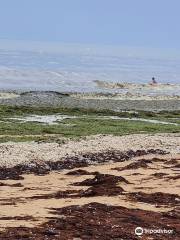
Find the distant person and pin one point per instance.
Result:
(153, 81)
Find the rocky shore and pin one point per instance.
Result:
(68, 100)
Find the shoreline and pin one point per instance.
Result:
(92, 101)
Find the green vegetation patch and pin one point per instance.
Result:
(85, 125)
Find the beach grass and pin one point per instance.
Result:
(7, 111)
(84, 125)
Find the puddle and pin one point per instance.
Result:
(44, 119)
(140, 119)
(54, 119)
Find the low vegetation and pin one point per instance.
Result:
(11, 130)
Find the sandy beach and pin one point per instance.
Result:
(89, 120)
(44, 186)
(81, 173)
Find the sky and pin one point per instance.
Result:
(140, 23)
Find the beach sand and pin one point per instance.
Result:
(111, 189)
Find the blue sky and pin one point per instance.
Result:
(144, 23)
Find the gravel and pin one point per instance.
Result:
(12, 154)
(55, 99)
